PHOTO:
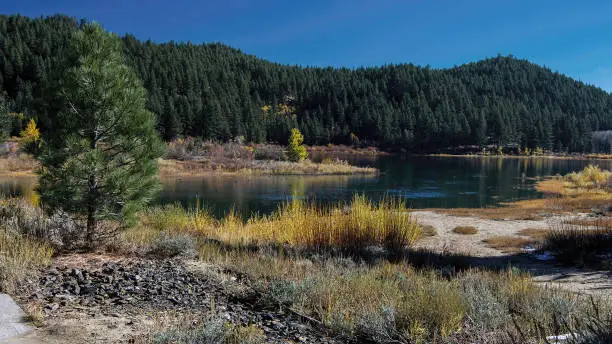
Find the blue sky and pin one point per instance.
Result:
(572, 37)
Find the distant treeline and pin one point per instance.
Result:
(602, 141)
(217, 92)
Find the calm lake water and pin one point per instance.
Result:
(423, 182)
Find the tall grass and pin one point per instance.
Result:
(357, 224)
(15, 165)
(581, 243)
(20, 258)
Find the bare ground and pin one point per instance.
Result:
(545, 272)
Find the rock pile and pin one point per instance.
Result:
(161, 284)
(119, 289)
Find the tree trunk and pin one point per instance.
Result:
(92, 222)
(92, 225)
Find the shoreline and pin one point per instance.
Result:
(169, 168)
(602, 157)
(198, 168)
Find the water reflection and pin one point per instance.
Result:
(422, 181)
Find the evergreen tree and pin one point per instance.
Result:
(100, 161)
(5, 122)
(216, 92)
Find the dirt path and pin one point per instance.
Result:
(545, 272)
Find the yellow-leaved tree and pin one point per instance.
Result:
(296, 150)
(30, 136)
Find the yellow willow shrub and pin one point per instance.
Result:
(356, 224)
(591, 177)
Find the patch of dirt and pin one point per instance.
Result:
(547, 273)
(472, 245)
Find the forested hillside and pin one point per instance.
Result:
(216, 92)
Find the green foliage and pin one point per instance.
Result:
(216, 92)
(100, 160)
(5, 122)
(296, 150)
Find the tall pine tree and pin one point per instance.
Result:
(99, 162)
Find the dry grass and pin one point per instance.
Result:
(532, 237)
(428, 231)
(22, 164)
(174, 168)
(552, 186)
(357, 224)
(507, 243)
(394, 302)
(537, 234)
(34, 313)
(465, 230)
(20, 258)
(188, 157)
(582, 243)
(601, 222)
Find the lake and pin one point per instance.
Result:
(424, 182)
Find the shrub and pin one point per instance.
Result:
(428, 231)
(58, 230)
(269, 152)
(172, 246)
(591, 177)
(214, 331)
(466, 230)
(30, 137)
(508, 243)
(296, 151)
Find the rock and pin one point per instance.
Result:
(88, 290)
(52, 306)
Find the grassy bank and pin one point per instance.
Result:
(348, 268)
(582, 192)
(20, 165)
(186, 168)
(192, 157)
(357, 224)
(335, 267)
(187, 158)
